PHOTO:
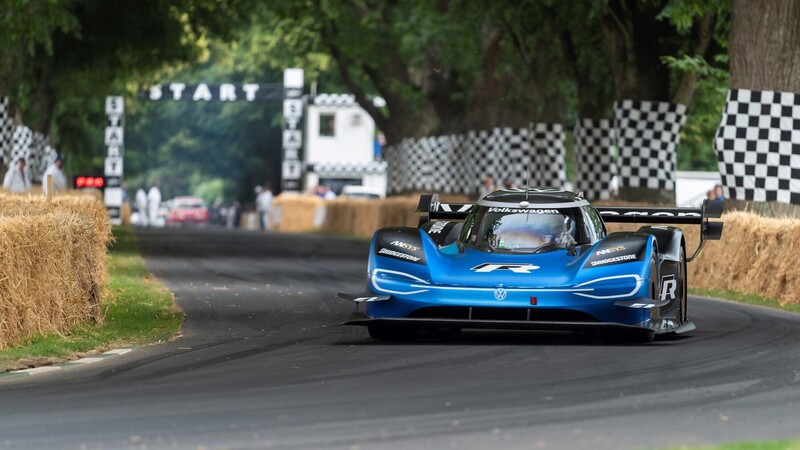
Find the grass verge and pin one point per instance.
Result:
(752, 299)
(138, 311)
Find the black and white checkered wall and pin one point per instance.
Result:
(512, 151)
(20, 143)
(647, 134)
(36, 153)
(596, 162)
(6, 130)
(758, 146)
(480, 151)
(547, 156)
(458, 163)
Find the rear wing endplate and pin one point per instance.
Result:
(691, 216)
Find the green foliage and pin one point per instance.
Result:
(442, 67)
(216, 188)
(695, 150)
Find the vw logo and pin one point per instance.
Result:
(500, 293)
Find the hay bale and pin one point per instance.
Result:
(295, 213)
(52, 265)
(47, 275)
(756, 256)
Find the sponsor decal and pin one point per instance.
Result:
(655, 214)
(369, 299)
(437, 227)
(668, 287)
(516, 268)
(400, 255)
(500, 294)
(522, 211)
(613, 260)
(608, 250)
(405, 245)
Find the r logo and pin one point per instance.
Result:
(668, 287)
(516, 268)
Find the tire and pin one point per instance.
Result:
(391, 333)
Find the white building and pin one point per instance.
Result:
(340, 144)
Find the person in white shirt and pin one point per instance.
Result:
(154, 205)
(18, 178)
(141, 206)
(59, 179)
(264, 205)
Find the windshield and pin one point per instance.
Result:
(529, 230)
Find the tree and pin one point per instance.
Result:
(765, 45)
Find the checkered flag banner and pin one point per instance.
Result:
(547, 149)
(512, 149)
(594, 145)
(480, 154)
(758, 146)
(418, 164)
(39, 144)
(6, 130)
(20, 144)
(393, 155)
(448, 169)
(647, 133)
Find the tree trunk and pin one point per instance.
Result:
(764, 45)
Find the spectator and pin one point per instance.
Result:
(613, 187)
(59, 179)
(141, 206)
(509, 184)
(263, 205)
(154, 205)
(18, 178)
(487, 187)
(718, 192)
(710, 195)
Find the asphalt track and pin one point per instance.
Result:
(262, 363)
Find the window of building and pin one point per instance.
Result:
(326, 124)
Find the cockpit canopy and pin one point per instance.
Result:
(532, 228)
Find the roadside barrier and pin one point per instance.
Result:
(52, 264)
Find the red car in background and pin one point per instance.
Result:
(187, 210)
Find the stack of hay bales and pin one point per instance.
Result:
(52, 264)
(296, 213)
(756, 256)
(363, 217)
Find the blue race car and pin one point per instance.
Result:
(531, 259)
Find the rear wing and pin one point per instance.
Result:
(430, 204)
(690, 216)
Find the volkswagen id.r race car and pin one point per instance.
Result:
(532, 259)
